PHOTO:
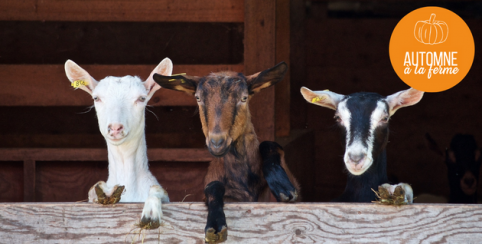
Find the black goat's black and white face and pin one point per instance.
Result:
(364, 118)
(463, 162)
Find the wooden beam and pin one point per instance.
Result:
(248, 223)
(29, 174)
(47, 85)
(298, 64)
(123, 10)
(282, 89)
(259, 54)
(91, 154)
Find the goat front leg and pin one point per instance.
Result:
(399, 194)
(280, 184)
(103, 194)
(216, 229)
(152, 211)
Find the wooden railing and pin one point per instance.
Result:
(247, 222)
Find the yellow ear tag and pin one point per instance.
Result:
(317, 99)
(78, 83)
(182, 81)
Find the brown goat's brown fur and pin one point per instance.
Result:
(235, 172)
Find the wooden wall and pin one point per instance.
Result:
(50, 146)
(39, 111)
(342, 51)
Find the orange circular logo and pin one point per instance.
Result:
(432, 49)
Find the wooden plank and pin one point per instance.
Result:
(298, 12)
(282, 89)
(67, 181)
(34, 42)
(11, 182)
(71, 182)
(91, 154)
(259, 54)
(47, 85)
(158, 140)
(124, 10)
(29, 180)
(184, 181)
(248, 223)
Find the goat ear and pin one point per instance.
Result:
(79, 78)
(164, 68)
(266, 78)
(432, 145)
(403, 99)
(325, 99)
(185, 83)
(450, 157)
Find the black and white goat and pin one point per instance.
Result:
(463, 162)
(364, 119)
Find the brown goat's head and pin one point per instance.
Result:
(223, 101)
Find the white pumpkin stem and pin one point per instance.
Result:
(432, 19)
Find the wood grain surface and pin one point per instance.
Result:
(248, 223)
(125, 10)
(259, 55)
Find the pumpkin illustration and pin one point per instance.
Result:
(431, 31)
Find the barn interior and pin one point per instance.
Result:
(337, 45)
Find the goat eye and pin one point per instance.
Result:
(244, 99)
(337, 118)
(142, 99)
(385, 119)
(97, 99)
(197, 98)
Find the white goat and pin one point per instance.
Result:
(120, 104)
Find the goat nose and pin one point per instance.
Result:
(356, 158)
(115, 128)
(217, 142)
(469, 181)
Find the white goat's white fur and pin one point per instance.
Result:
(122, 100)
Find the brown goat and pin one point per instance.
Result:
(243, 169)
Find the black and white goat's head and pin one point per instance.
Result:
(463, 161)
(364, 119)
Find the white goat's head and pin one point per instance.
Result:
(363, 118)
(120, 102)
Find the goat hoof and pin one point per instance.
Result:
(399, 191)
(294, 195)
(399, 194)
(291, 197)
(383, 192)
(114, 198)
(212, 237)
(100, 194)
(149, 224)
